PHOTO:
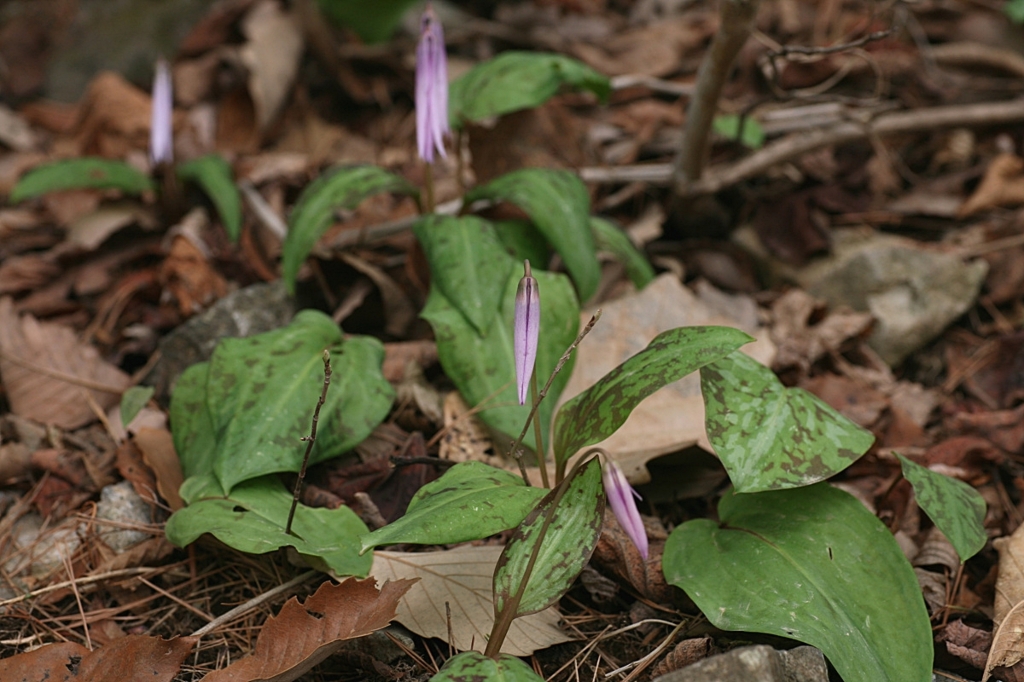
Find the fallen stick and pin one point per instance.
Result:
(719, 177)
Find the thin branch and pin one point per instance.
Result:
(310, 440)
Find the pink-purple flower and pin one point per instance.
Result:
(161, 126)
(621, 498)
(431, 88)
(526, 330)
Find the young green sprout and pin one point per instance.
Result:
(526, 331)
(161, 128)
(431, 88)
(621, 498)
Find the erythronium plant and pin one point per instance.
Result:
(211, 173)
(789, 556)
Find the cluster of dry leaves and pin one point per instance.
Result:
(92, 285)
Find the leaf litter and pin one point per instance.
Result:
(90, 293)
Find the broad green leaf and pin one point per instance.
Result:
(814, 565)
(253, 517)
(769, 436)
(558, 204)
(518, 80)
(728, 126)
(133, 400)
(467, 263)
(261, 392)
(596, 413)
(213, 175)
(195, 438)
(81, 173)
(374, 21)
(471, 501)
(343, 187)
(610, 238)
(201, 487)
(483, 368)
(567, 529)
(472, 666)
(524, 241)
(1014, 9)
(955, 507)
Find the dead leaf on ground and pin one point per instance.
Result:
(970, 645)
(653, 50)
(33, 355)
(135, 657)
(1010, 583)
(305, 633)
(272, 53)
(461, 577)
(1003, 185)
(1007, 650)
(803, 332)
(187, 275)
(114, 117)
(159, 454)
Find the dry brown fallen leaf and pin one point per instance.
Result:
(135, 657)
(1003, 185)
(304, 634)
(158, 453)
(35, 355)
(1007, 647)
(462, 578)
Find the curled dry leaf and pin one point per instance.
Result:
(135, 657)
(304, 634)
(1003, 185)
(1007, 647)
(49, 375)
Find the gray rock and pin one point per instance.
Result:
(37, 550)
(253, 310)
(913, 293)
(122, 506)
(758, 663)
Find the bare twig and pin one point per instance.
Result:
(793, 146)
(737, 20)
(310, 440)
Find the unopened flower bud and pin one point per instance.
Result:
(526, 331)
(431, 88)
(621, 498)
(161, 126)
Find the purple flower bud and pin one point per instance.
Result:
(526, 330)
(431, 88)
(620, 497)
(161, 132)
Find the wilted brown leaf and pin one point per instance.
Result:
(1003, 185)
(970, 645)
(34, 358)
(158, 453)
(1007, 647)
(135, 657)
(304, 634)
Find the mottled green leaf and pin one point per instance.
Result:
(812, 564)
(596, 413)
(559, 205)
(471, 501)
(342, 187)
(374, 21)
(467, 263)
(253, 517)
(518, 80)
(728, 126)
(213, 175)
(195, 438)
(471, 666)
(955, 507)
(524, 241)
(566, 526)
(80, 173)
(133, 400)
(610, 238)
(769, 436)
(483, 368)
(261, 392)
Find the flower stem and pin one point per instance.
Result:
(542, 461)
(310, 439)
(428, 188)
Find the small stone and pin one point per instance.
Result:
(37, 551)
(760, 663)
(120, 504)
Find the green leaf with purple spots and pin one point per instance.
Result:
(814, 565)
(562, 530)
(955, 507)
(596, 413)
(472, 666)
(771, 437)
(471, 501)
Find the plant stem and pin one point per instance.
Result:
(542, 460)
(428, 189)
(737, 18)
(514, 451)
(310, 439)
